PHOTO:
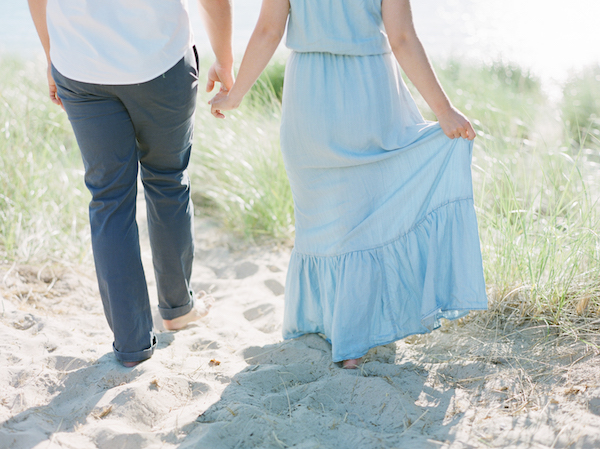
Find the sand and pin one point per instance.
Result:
(229, 381)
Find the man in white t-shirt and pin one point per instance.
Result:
(126, 73)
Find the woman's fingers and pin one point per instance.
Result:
(215, 101)
(455, 125)
(471, 131)
(465, 131)
(454, 133)
(216, 111)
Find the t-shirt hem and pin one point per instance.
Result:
(122, 78)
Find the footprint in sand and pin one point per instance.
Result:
(26, 322)
(262, 317)
(275, 287)
(203, 345)
(65, 363)
(240, 271)
(245, 269)
(259, 311)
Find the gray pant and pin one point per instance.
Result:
(120, 128)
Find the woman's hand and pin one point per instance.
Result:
(408, 50)
(455, 124)
(223, 101)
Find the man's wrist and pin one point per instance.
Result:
(225, 62)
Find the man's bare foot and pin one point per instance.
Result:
(131, 364)
(203, 304)
(352, 363)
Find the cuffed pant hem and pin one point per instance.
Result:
(176, 312)
(138, 356)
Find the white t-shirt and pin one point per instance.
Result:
(117, 41)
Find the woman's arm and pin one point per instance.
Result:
(37, 8)
(407, 48)
(263, 43)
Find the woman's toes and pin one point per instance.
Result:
(352, 363)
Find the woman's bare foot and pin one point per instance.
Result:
(203, 304)
(352, 363)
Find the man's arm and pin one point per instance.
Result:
(37, 8)
(217, 17)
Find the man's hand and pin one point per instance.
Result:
(220, 74)
(52, 88)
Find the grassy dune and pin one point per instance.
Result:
(43, 201)
(536, 172)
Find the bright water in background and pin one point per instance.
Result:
(550, 37)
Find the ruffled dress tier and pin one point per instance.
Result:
(386, 232)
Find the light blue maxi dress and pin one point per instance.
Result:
(386, 233)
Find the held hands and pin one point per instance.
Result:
(455, 124)
(223, 101)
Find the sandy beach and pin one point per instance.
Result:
(229, 381)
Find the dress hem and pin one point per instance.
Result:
(391, 339)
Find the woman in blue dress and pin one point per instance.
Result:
(386, 233)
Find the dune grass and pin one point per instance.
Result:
(237, 169)
(581, 107)
(43, 201)
(539, 221)
(536, 179)
(238, 173)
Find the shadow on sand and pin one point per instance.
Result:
(292, 395)
(80, 390)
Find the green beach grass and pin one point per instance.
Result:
(43, 201)
(535, 166)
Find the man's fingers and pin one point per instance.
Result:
(54, 98)
(59, 102)
(210, 85)
(52, 89)
(227, 81)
